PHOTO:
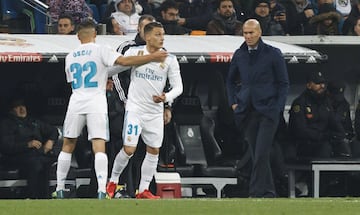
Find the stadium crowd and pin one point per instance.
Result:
(181, 17)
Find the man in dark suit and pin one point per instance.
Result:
(261, 71)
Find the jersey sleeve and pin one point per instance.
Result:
(69, 77)
(175, 80)
(108, 55)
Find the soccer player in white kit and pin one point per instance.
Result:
(145, 109)
(85, 69)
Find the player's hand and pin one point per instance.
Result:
(167, 116)
(48, 146)
(159, 56)
(234, 106)
(158, 99)
(34, 144)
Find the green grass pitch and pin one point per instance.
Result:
(241, 206)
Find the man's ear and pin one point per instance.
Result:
(308, 85)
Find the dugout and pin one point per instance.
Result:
(33, 65)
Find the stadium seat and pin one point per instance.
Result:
(102, 11)
(40, 22)
(196, 143)
(95, 11)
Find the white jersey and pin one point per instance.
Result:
(150, 79)
(85, 69)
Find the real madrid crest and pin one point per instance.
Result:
(296, 108)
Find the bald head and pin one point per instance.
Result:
(252, 23)
(252, 32)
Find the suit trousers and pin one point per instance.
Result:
(259, 131)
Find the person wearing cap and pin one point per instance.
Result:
(262, 12)
(27, 144)
(316, 131)
(258, 102)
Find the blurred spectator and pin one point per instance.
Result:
(145, 5)
(196, 14)
(155, 6)
(113, 27)
(355, 31)
(126, 16)
(278, 13)
(78, 9)
(327, 21)
(298, 14)
(224, 20)
(169, 18)
(26, 144)
(65, 24)
(269, 26)
(350, 21)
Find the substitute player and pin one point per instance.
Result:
(145, 108)
(85, 69)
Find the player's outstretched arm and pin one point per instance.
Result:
(158, 56)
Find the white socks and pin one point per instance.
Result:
(148, 169)
(120, 162)
(101, 170)
(63, 166)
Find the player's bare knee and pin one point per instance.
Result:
(152, 150)
(129, 150)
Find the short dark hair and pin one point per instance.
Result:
(88, 23)
(169, 4)
(66, 16)
(218, 3)
(149, 27)
(146, 17)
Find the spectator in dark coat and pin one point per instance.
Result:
(224, 21)
(269, 26)
(169, 18)
(327, 21)
(298, 14)
(351, 20)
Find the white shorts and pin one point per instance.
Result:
(97, 125)
(151, 128)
